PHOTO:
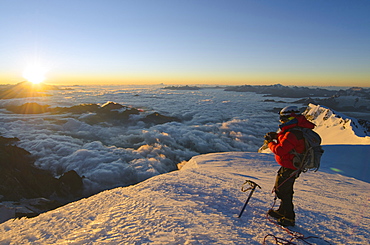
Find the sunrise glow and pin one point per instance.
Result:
(35, 73)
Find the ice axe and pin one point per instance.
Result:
(252, 187)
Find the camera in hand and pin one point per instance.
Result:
(270, 136)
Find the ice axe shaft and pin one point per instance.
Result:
(252, 188)
(246, 202)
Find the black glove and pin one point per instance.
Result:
(270, 136)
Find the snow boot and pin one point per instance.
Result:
(275, 214)
(286, 222)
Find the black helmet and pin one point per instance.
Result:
(287, 112)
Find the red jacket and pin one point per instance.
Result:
(287, 141)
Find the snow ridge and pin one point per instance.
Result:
(335, 127)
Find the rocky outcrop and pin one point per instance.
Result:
(156, 118)
(26, 208)
(19, 178)
(69, 185)
(21, 181)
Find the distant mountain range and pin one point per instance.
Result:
(24, 89)
(278, 90)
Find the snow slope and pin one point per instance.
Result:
(199, 205)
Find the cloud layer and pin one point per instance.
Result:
(212, 120)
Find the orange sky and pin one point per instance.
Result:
(348, 80)
(188, 42)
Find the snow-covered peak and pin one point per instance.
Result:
(336, 128)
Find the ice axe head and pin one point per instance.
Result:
(252, 185)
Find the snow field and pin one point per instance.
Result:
(199, 205)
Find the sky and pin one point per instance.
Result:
(187, 42)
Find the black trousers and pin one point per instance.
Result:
(284, 191)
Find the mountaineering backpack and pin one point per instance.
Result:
(311, 157)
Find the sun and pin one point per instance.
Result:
(35, 74)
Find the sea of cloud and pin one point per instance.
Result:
(212, 120)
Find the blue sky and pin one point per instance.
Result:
(302, 42)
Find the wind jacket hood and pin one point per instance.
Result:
(298, 121)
